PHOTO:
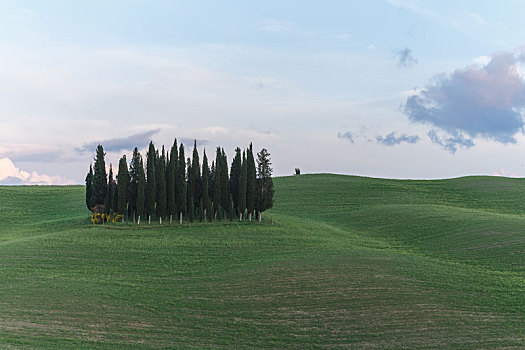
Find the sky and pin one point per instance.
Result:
(383, 88)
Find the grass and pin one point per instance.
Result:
(349, 262)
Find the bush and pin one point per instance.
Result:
(98, 218)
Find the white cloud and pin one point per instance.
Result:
(10, 174)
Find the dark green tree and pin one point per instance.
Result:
(242, 187)
(201, 211)
(151, 186)
(160, 172)
(196, 181)
(235, 174)
(108, 206)
(230, 207)
(191, 207)
(133, 182)
(171, 181)
(181, 184)
(122, 186)
(264, 189)
(100, 178)
(141, 189)
(225, 183)
(217, 191)
(205, 188)
(250, 182)
(89, 188)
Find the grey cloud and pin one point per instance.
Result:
(476, 102)
(188, 142)
(405, 58)
(392, 140)
(450, 143)
(139, 140)
(347, 135)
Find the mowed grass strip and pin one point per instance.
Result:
(374, 264)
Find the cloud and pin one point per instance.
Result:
(139, 140)
(347, 135)
(450, 143)
(405, 58)
(502, 172)
(188, 142)
(478, 101)
(392, 140)
(11, 175)
(274, 25)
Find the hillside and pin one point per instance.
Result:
(349, 262)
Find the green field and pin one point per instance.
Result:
(348, 262)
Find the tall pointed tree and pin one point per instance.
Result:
(160, 172)
(205, 182)
(134, 182)
(171, 181)
(89, 188)
(242, 187)
(151, 186)
(217, 190)
(122, 186)
(181, 184)
(100, 178)
(225, 183)
(141, 189)
(235, 174)
(264, 189)
(196, 175)
(108, 206)
(250, 182)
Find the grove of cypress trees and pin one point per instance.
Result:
(250, 182)
(160, 172)
(151, 186)
(100, 179)
(217, 191)
(205, 178)
(89, 188)
(242, 187)
(235, 174)
(122, 186)
(141, 189)
(181, 184)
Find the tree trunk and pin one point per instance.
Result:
(122, 218)
(171, 219)
(138, 220)
(205, 211)
(240, 217)
(215, 216)
(260, 217)
(250, 217)
(133, 216)
(160, 220)
(149, 219)
(180, 218)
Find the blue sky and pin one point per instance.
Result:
(387, 88)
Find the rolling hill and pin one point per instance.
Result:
(348, 262)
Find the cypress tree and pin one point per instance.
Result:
(151, 186)
(242, 187)
(133, 182)
(108, 206)
(141, 189)
(160, 172)
(196, 181)
(89, 188)
(181, 184)
(191, 207)
(217, 191)
(230, 207)
(235, 174)
(225, 184)
(210, 210)
(100, 180)
(264, 190)
(122, 186)
(250, 182)
(171, 182)
(205, 180)
(201, 211)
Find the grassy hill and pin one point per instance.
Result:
(349, 262)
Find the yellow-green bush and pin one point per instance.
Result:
(98, 218)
